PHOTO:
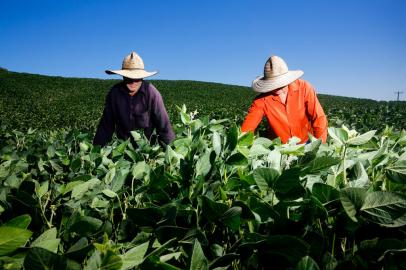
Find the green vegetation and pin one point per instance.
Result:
(44, 102)
(214, 199)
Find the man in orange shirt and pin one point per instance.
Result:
(290, 104)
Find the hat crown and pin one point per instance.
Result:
(274, 67)
(133, 61)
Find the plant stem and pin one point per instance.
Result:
(344, 169)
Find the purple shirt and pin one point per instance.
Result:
(124, 113)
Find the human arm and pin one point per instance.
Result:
(160, 117)
(106, 126)
(254, 116)
(315, 113)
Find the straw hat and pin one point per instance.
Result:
(276, 75)
(133, 67)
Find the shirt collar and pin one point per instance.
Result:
(142, 89)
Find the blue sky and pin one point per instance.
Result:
(348, 48)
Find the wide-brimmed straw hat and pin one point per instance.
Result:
(133, 67)
(276, 75)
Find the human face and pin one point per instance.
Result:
(132, 84)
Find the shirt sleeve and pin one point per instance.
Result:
(106, 126)
(254, 116)
(315, 113)
(160, 117)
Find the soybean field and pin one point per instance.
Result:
(215, 198)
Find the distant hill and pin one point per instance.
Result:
(46, 102)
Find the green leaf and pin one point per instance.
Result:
(42, 189)
(119, 179)
(106, 261)
(86, 225)
(148, 216)
(237, 159)
(47, 240)
(265, 178)
(352, 200)
(162, 248)
(216, 142)
(134, 256)
(232, 218)
(288, 185)
(320, 163)
(385, 208)
(258, 150)
(212, 210)
(362, 179)
(42, 259)
(246, 139)
(140, 170)
(307, 263)
(362, 139)
(338, 134)
(81, 189)
(21, 222)
(223, 261)
(232, 137)
(397, 174)
(203, 164)
(325, 193)
(79, 250)
(109, 193)
(199, 261)
(289, 247)
(12, 238)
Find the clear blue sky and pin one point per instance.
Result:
(345, 47)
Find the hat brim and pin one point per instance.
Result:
(262, 85)
(132, 74)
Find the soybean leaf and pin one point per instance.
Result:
(47, 240)
(224, 260)
(362, 139)
(397, 173)
(21, 222)
(288, 185)
(12, 238)
(338, 134)
(232, 218)
(265, 178)
(134, 256)
(216, 142)
(148, 216)
(352, 200)
(237, 159)
(361, 175)
(41, 259)
(232, 137)
(289, 247)
(246, 139)
(385, 208)
(325, 193)
(320, 163)
(307, 263)
(203, 164)
(80, 190)
(109, 193)
(79, 250)
(199, 261)
(212, 210)
(86, 225)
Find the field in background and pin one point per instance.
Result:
(44, 102)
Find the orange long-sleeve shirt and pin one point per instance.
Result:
(302, 114)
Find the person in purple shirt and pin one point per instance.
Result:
(134, 104)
